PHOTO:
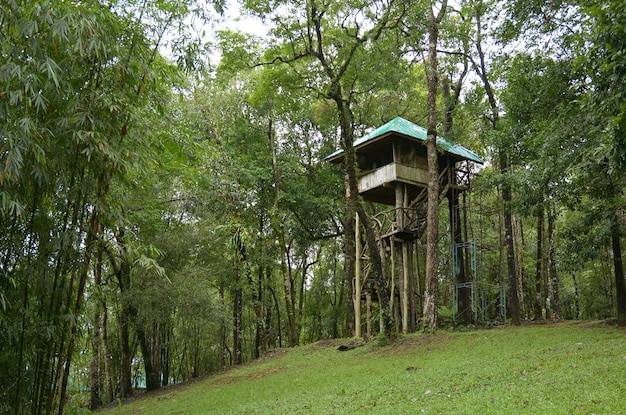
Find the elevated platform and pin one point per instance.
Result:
(378, 185)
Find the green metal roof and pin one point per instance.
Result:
(401, 126)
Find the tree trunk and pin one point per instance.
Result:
(108, 380)
(576, 300)
(460, 269)
(301, 290)
(289, 291)
(92, 235)
(538, 304)
(152, 377)
(547, 286)
(156, 349)
(95, 385)
(224, 351)
(259, 340)
(237, 319)
(238, 297)
(481, 70)
(122, 274)
(510, 249)
(357, 281)
(349, 243)
(277, 225)
(501, 242)
(519, 263)
(608, 277)
(556, 303)
(257, 298)
(165, 351)
(278, 323)
(620, 284)
(431, 295)
(126, 389)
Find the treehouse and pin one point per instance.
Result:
(393, 171)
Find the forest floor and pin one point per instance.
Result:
(563, 368)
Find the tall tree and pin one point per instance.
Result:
(478, 58)
(589, 30)
(325, 45)
(431, 294)
(538, 101)
(608, 72)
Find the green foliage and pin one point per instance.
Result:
(605, 65)
(82, 89)
(182, 207)
(446, 315)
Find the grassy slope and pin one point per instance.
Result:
(569, 368)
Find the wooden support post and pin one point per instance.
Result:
(368, 308)
(400, 196)
(405, 287)
(393, 279)
(418, 281)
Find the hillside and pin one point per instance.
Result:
(565, 368)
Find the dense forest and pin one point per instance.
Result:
(167, 210)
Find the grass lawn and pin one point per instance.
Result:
(565, 368)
